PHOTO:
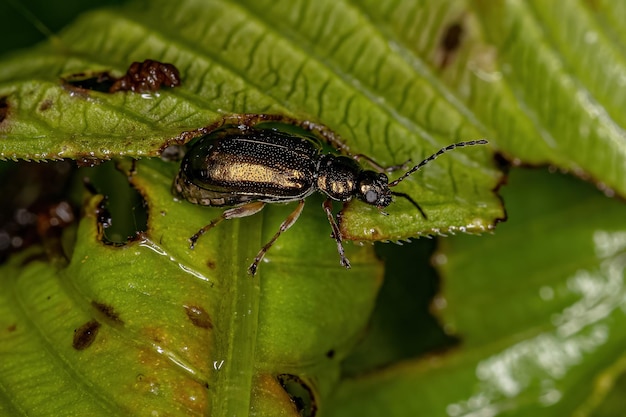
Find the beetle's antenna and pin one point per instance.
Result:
(411, 201)
(435, 156)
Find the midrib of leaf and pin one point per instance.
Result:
(240, 311)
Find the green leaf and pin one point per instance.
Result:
(153, 325)
(253, 58)
(545, 51)
(396, 81)
(537, 308)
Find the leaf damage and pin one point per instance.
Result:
(85, 335)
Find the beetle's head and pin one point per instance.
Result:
(373, 189)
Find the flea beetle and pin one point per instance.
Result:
(241, 165)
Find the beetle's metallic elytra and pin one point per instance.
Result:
(243, 166)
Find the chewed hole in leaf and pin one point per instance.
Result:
(122, 214)
(141, 77)
(96, 81)
(300, 393)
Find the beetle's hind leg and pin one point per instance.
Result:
(236, 212)
(286, 224)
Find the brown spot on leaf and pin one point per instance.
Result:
(11, 328)
(199, 317)
(85, 335)
(45, 105)
(452, 37)
(450, 42)
(107, 310)
(192, 396)
(147, 76)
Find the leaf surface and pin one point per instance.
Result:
(537, 308)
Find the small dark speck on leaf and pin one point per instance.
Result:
(199, 317)
(85, 335)
(11, 328)
(330, 354)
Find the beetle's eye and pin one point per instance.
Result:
(371, 196)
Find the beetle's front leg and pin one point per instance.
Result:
(236, 212)
(336, 234)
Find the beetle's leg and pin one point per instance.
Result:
(336, 234)
(232, 213)
(289, 221)
(379, 167)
